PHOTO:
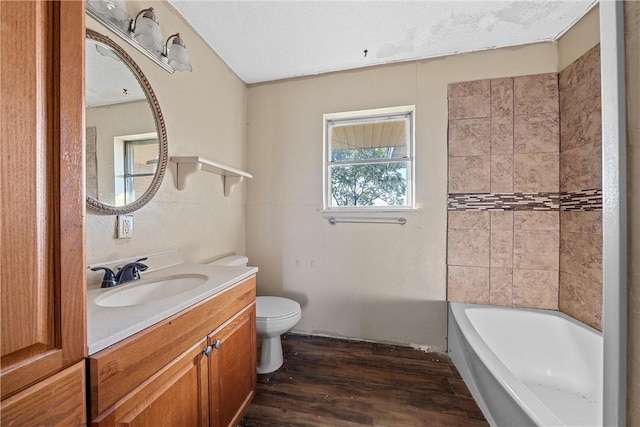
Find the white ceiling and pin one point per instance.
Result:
(270, 39)
(109, 80)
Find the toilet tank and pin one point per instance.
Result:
(232, 261)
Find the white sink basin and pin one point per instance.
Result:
(149, 291)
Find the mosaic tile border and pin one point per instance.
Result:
(584, 200)
(504, 202)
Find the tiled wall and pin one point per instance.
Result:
(503, 233)
(524, 226)
(581, 178)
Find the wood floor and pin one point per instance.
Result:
(331, 382)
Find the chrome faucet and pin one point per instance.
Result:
(126, 273)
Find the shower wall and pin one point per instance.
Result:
(580, 292)
(524, 221)
(503, 228)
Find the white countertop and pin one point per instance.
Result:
(108, 325)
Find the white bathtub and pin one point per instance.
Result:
(528, 367)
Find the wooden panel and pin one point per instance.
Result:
(233, 368)
(26, 49)
(58, 400)
(117, 370)
(176, 396)
(42, 193)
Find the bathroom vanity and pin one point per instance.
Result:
(195, 367)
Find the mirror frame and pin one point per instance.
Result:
(161, 130)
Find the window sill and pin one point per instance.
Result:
(361, 211)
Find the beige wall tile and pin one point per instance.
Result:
(468, 248)
(581, 222)
(468, 220)
(501, 174)
(581, 299)
(581, 255)
(536, 133)
(581, 124)
(500, 286)
(502, 97)
(536, 94)
(580, 81)
(470, 174)
(536, 220)
(469, 137)
(581, 168)
(502, 135)
(468, 284)
(469, 100)
(501, 254)
(538, 250)
(535, 288)
(533, 173)
(502, 220)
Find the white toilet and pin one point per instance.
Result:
(274, 317)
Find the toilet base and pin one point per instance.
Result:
(270, 355)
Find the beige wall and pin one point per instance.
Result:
(580, 38)
(378, 282)
(205, 114)
(632, 41)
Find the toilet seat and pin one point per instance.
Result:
(276, 308)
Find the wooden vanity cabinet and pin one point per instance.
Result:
(172, 373)
(232, 367)
(42, 258)
(177, 395)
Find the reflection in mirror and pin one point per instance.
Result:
(126, 155)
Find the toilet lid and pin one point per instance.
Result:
(269, 307)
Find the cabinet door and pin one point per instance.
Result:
(177, 395)
(57, 401)
(42, 278)
(233, 368)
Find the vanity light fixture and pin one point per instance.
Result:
(145, 28)
(143, 33)
(177, 55)
(112, 10)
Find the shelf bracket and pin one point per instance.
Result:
(229, 183)
(183, 171)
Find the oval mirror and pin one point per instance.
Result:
(126, 139)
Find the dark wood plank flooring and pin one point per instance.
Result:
(332, 382)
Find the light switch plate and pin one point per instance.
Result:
(125, 226)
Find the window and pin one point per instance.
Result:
(368, 159)
(140, 161)
(135, 159)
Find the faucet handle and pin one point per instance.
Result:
(130, 271)
(137, 267)
(140, 266)
(109, 278)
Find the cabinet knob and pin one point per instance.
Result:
(217, 344)
(207, 351)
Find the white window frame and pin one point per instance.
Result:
(368, 116)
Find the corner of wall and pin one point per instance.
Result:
(581, 37)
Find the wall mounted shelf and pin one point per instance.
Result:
(186, 165)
